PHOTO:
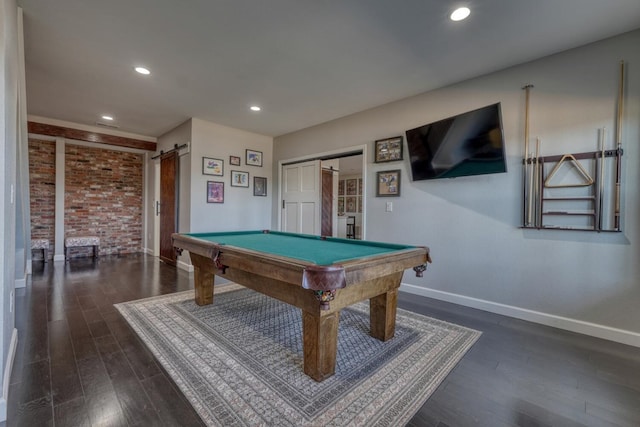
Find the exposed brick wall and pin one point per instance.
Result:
(42, 188)
(103, 197)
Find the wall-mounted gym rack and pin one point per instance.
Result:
(580, 202)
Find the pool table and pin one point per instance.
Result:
(319, 275)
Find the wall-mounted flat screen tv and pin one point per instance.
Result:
(471, 143)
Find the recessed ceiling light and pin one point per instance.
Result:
(460, 13)
(143, 70)
(106, 117)
(255, 108)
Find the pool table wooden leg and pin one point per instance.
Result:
(382, 312)
(383, 315)
(203, 278)
(320, 341)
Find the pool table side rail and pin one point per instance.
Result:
(291, 270)
(182, 242)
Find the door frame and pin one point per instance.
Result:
(326, 155)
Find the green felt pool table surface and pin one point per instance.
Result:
(313, 249)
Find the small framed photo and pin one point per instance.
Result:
(352, 187)
(212, 166)
(388, 183)
(341, 187)
(351, 204)
(254, 158)
(234, 160)
(388, 150)
(215, 192)
(239, 179)
(259, 186)
(340, 205)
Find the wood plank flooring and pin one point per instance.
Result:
(78, 362)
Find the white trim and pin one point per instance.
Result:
(184, 266)
(59, 231)
(147, 251)
(573, 325)
(145, 193)
(13, 345)
(21, 283)
(345, 150)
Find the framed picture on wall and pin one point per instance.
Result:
(351, 204)
(341, 187)
(259, 186)
(212, 166)
(215, 192)
(340, 205)
(234, 160)
(388, 183)
(239, 179)
(388, 150)
(352, 187)
(254, 158)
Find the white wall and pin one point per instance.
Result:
(583, 281)
(241, 210)
(10, 81)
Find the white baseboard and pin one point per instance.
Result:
(573, 325)
(13, 345)
(29, 268)
(147, 251)
(184, 266)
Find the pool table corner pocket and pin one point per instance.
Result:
(324, 281)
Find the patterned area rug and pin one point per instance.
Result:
(239, 361)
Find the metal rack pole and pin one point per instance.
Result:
(527, 196)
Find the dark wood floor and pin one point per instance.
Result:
(79, 364)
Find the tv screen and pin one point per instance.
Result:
(467, 144)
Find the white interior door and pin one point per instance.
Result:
(301, 197)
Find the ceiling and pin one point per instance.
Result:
(351, 165)
(304, 62)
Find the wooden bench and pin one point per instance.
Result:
(81, 242)
(41, 245)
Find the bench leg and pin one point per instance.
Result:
(45, 255)
(96, 251)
